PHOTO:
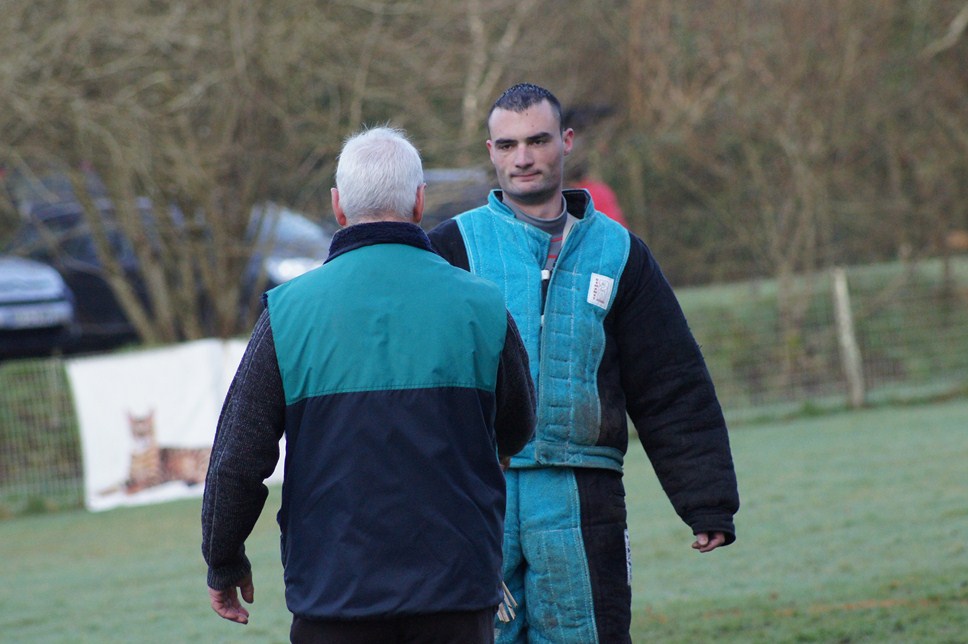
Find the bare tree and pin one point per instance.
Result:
(747, 138)
(190, 106)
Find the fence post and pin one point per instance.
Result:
(847, 339)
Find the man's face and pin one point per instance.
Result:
(528, 152)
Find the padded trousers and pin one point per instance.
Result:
(566, 557)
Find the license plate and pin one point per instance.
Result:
(35, 316)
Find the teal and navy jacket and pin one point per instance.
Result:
(608, 341)
(399, 380)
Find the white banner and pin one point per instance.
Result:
(147, 420)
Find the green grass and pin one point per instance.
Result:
(852, 530)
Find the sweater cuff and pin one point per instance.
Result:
(228, 576)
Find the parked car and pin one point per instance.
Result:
(294, 244)
(36, 309)
(451, 191)
(57, 233)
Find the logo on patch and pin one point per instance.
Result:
(600, 290)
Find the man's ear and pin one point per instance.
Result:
(568, 140)
(337, 209)
(418, 204)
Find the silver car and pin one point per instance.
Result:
(36, 309)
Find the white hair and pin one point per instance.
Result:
(378, 174)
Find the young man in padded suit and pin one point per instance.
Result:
(606, 338)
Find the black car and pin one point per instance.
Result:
(36, 309)
(58, 234)
(451, 191)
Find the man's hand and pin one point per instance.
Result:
(226, 602)
(705, 543)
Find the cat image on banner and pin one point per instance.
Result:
(147, 420)
(152, 464)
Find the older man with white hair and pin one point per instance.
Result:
(400, 384)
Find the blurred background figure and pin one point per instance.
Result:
(604, 198)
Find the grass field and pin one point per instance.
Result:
(853, 529)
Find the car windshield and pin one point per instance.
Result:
(60, 231)
(290, 228)
(281, 228)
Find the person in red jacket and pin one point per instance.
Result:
(603, 197)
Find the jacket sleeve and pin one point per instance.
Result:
(515, 421)
(449, 244)
(245, 453)
(671, 399)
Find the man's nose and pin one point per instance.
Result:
(522, 156)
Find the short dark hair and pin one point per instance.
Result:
(520, 97)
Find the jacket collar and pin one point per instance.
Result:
(379, 232)
(578, 202)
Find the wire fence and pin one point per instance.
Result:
(773, 349)
(40, 453)
(895, 333)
